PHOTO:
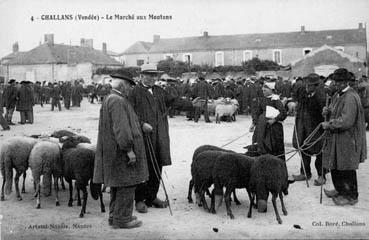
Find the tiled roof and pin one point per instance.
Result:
(59, 53)
(13, 55)
(138, 47)
(255, 41)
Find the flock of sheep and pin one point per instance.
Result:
(65, 155)
(222, 168)
(62, 155)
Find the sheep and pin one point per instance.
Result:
(231, 170)
(228, 110)
(269, 174)
(62, 133)
(45, 160)
(194, 156)
(14, 153)
(78, 164)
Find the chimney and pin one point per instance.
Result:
(360, 26)
(206, 34)
(104, 49)
(15, 47)
(302, 29)
(156, 38)
(49, 39)
(87, 42)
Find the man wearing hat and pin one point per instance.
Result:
(25, 102)
(345, 146)
(204, 91)
(311, 100)
(10, 100)
(55, 96)
(151, 103)
(120, 160)
(3, 122)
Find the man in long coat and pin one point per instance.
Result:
(10, 100)
(345, 145)
(25, 102)
(55, 97)
(3, 122)
(311, 100)
(204, 91)
(150, 103)
(120, 161)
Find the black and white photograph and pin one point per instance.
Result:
(195, 119)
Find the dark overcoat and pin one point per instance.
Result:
(202, 90)
(119, 132)
(345, 145)
(10, 96)
(152, 108)
(25, 100)
(308, 117)
(269, 138)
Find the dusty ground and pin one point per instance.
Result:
(188, 221)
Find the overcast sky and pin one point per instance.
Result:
(189, 18)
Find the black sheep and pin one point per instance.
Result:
(269, 174)
(231, 170)
(78, 164)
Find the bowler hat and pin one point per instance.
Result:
(150, 69)
(11, 80)
(341, 75)
(313, 79)
(123, 77)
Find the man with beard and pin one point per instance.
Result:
(345, 146)
(151, 103)
(311, 100)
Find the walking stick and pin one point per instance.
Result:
(322, 170)
(156, 170)
(302, 160)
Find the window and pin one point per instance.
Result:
(168, 55)
(306, 51)
(277, 56)
(219, 59)
(247, 55)
(341, 48)
(140, 62)
(187, 57)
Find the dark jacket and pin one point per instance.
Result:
(25, 100)
(10, 96)
(308, 117)
(202, 90)
(119, 132)
(345, 146)
(152, 109)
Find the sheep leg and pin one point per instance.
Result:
(212, 206)
(70, 203)
(252, 198)
(83, 210)
(235, 198)
(102, 206)
(56, 189)
(62, 183)
(16, 182)
(24, 182)
(38, 193)
(203, 200)
(2, 188)
(217, 120)
(227, 200)
(78, 196)
(275, 208)
(189, 196)
(282, 203)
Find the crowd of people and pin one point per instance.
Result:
(133, 142)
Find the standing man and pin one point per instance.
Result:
(3, 122)
(55, 97)
(25, 103)
(311, 100)
(120, 161)
(345, 145)
(150, 103)
(203, 91)
(10, 100)
(66, 92)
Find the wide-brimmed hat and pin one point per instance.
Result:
(123, 77)
(312, 79)
(150, 68)
(341, 75)
(11, 80)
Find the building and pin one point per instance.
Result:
(57, 62)
(282, 48)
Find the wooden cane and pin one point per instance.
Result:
(322, 170)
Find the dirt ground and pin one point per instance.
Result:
(21, 220)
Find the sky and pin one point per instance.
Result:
(188, 18)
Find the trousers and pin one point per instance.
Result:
(318, 165)
(121, 204)
(345, 183)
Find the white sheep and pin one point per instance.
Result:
(14, 153)
(228, 109)
(45, 159)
